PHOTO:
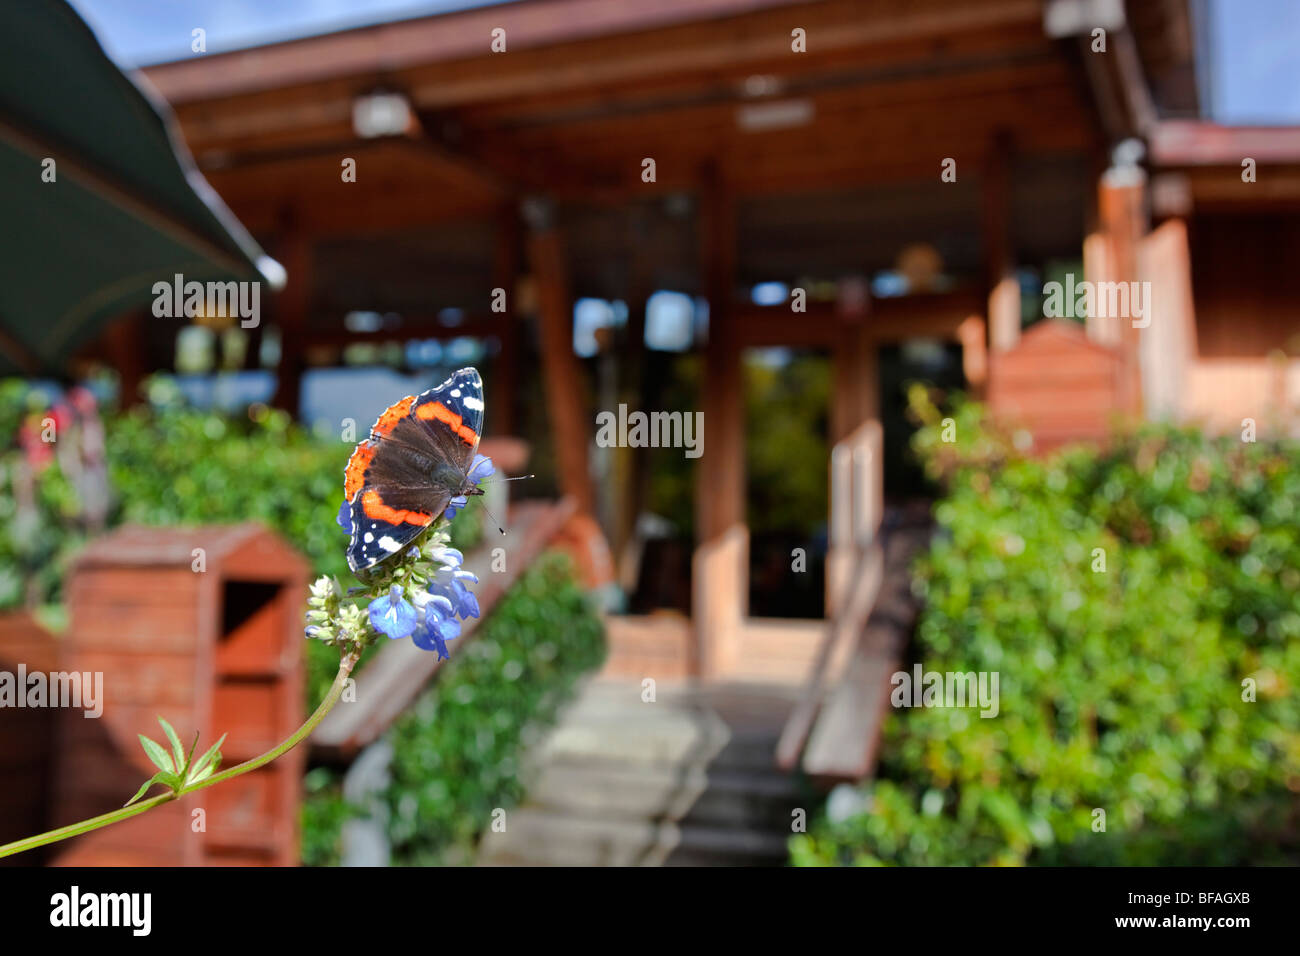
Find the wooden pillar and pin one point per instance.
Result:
(721, 565)
(1099, 267)
(974, 354)
(292, 307)
(124, 346)
(999, 247)
(563, 378)
(856, 380)
(855, 400)
(640, 378)
(1121, 206)
(505, 275)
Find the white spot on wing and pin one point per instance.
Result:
(475, 403)
(388, 544)
(368, 538)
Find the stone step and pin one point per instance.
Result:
(537, 837)
(658, 737)
(622, 792)
(625, 782)
(747, 751)
(724, 846)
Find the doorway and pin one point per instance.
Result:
(787, 402)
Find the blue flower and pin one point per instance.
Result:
(393, 615)
(448, 557)
(345, 517)
(448, 584)
(434, 634)
(480, 469)
(438, 623)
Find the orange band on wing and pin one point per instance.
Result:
(373, 506)
(437, 411)
(355, 474)
(392, 415)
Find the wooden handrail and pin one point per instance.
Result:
(855, 568)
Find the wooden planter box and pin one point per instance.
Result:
(216, 650)
(27, 738)
(1058, 384)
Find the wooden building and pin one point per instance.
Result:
(560, 149)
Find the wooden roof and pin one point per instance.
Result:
(588, 89)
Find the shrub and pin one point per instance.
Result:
(457, 751)
(43, 520)
(1121, 690)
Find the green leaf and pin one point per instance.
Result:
(178, 752)
(189, 758)
(213, 755)
(160, 777)
(156, 753)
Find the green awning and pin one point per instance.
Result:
(127, 208)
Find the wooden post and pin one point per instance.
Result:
(1122, 207)
(855, 399)
(291, 311)
(561, 372)
(124, 346)
(1098, 267)
(639, 378)
(505, 272)
(721, 565)
(999, 248)
(974, 354)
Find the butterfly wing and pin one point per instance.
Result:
(403, 476)
(452, 417)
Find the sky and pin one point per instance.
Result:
(1253, 43)
(141, 32)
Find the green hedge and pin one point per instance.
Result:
(457, 751)
(1120, 690)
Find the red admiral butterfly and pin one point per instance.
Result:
(417, 458)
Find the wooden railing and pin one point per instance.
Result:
(854, 570)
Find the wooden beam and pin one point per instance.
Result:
(548, 40)
(562, 375)
(1199, 143)
(926, 316)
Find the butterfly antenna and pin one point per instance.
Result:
(493, 517)
(486, 481)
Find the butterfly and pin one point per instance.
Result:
(419, 456)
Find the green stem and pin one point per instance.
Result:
(94, 823)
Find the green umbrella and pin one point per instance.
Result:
(126, 207)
